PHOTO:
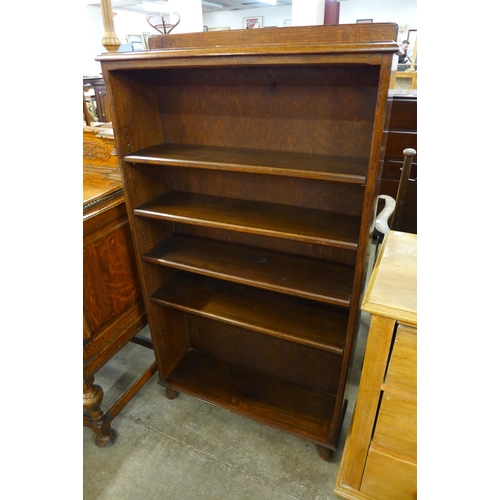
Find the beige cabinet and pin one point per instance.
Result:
(380, 456)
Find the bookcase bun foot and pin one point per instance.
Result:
(171, 394)
(325, 453)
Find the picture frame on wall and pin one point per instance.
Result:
(145, 39)
(412, 38)
(253, 22)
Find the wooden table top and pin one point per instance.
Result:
(392, 290)
(97, 185)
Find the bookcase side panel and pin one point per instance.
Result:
(368, 217)
(135, 111)
(169, 335)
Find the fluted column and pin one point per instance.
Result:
(109, 40)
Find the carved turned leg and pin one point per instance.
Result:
(92, 399)
(325, 453)
(171, 394)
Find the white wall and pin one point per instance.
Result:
(190, 13)
(93, 29)
(126, 23)
(272, 16)
(308, 12)
(401, 12)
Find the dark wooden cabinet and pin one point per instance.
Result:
(113, 305)
(402, 134)
(101, 97)
(251, 164)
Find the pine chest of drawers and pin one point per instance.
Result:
(380, 455)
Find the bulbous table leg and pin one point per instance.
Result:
(92, 399)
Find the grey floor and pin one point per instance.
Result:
(186, 449)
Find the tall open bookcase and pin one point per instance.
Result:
(251, 164)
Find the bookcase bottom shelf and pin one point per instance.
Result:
(284, 405)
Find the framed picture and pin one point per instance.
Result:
(412, 49)
(364, 21)
(252, 22)
(136, 42)
(412, 37)
(145, 39)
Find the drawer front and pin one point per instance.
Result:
(403, 113)
(402, 369)
(398, 141)
(396, 428)
(392, 169)
(388, 478)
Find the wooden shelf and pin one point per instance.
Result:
(310, 166)
(281, 221)
(306, 322)
(267, 269)
(276, 402)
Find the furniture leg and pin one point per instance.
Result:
(92, 399)
(171, 394)
(325, 453)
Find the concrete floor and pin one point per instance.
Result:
(186, 449)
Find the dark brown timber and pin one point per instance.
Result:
(251, 167)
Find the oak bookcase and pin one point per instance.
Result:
(251, 164)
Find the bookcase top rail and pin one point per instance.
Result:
(330, 39)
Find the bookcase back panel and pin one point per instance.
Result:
(336, 197)
(311, 109)
(322, 252)
(265, 354)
